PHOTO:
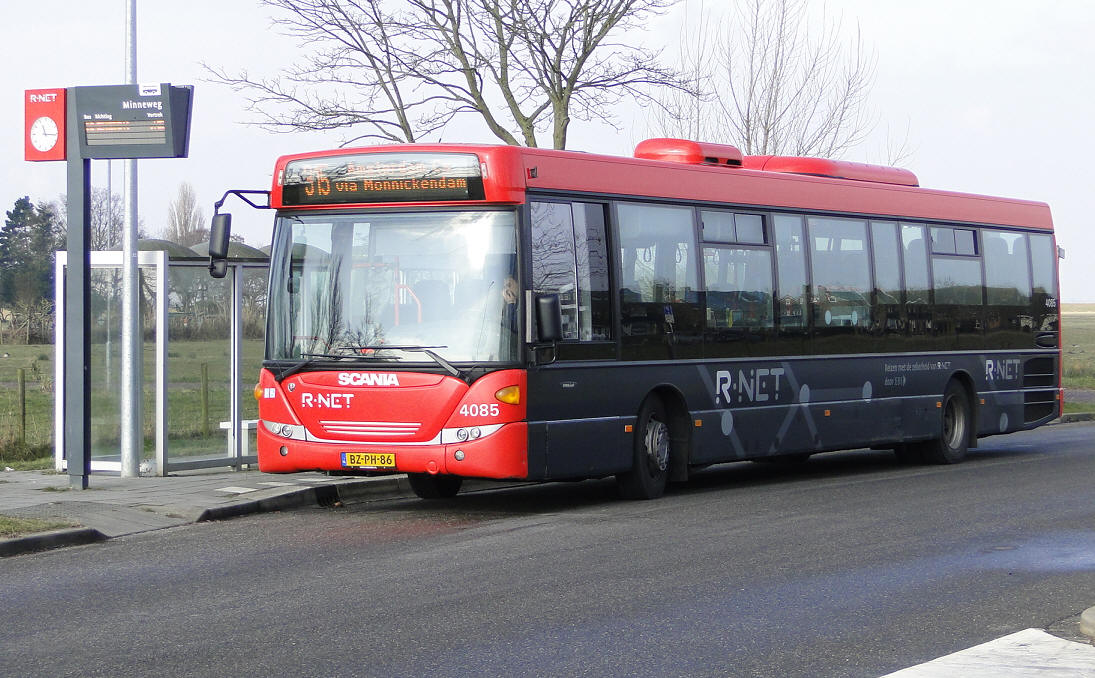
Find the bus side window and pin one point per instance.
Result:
(658, 250)
(958, 317)
(594, 302)
(791, 264)
(956, 281)
(738, 283)
(886, 312)
(916, 264)
(841, 283)
(1007, 276)
(914, 246)
(570, 258)
(1043, 260)
(660, 316)
(553, 264)
(1008, 322)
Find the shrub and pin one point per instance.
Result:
(16, 450)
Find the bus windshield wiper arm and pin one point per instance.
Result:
(449, 367)
(311, 358)
(338, 356)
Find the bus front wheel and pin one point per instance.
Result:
(953, 441)
(428, 486)
(650, 453)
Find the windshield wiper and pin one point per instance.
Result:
(311, 358)
(449, 367)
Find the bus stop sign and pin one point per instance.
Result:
(133, 121)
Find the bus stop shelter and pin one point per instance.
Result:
(202, 342)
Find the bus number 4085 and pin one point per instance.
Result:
(484, 410)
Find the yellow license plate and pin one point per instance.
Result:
(368, 460)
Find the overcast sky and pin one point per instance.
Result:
(996, 96)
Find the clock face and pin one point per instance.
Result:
(43, 133)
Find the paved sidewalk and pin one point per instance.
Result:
(115, 506)
(1031, 652)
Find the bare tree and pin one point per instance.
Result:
(107, 219)
(776, 83)
(400, 71)
(185, 220)
(686, 114)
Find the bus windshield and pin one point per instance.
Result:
(351, 284)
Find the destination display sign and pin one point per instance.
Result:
(134, 121)
(382, 177)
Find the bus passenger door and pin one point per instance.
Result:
(572, 432)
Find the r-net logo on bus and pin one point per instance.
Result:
(753, 385)
(1002, 369)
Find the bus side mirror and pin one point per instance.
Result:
(220, 232)
(218, 268)
(549, 318)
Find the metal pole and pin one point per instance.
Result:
(108, 372)
(162, 267)
(77, 416)
(236, 342)
(59, 352)
(22, 405)
(131, 419)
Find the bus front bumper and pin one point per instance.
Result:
(503, 455)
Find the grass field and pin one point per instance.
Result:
(193, 429)
(194, 432)
(1078, 342)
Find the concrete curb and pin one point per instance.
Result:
(1087, 623)
(1073, 418)
(364, 490)
(320, 495)
(370, 489)
(42, 541)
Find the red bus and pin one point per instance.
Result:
(454, 311)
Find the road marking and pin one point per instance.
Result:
(236, 490)
(274, 483)
(1032, 652)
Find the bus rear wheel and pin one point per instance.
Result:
(651, 453)
(953, 441)
(428, 486)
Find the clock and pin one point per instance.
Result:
(43, 133)
(44, 122)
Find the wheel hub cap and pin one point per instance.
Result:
(657, 445)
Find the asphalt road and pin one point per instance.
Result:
(849, 565)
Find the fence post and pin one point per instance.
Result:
(205, 399)
(22, 405)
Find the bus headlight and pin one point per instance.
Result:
(463, 434)
(290, 431)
